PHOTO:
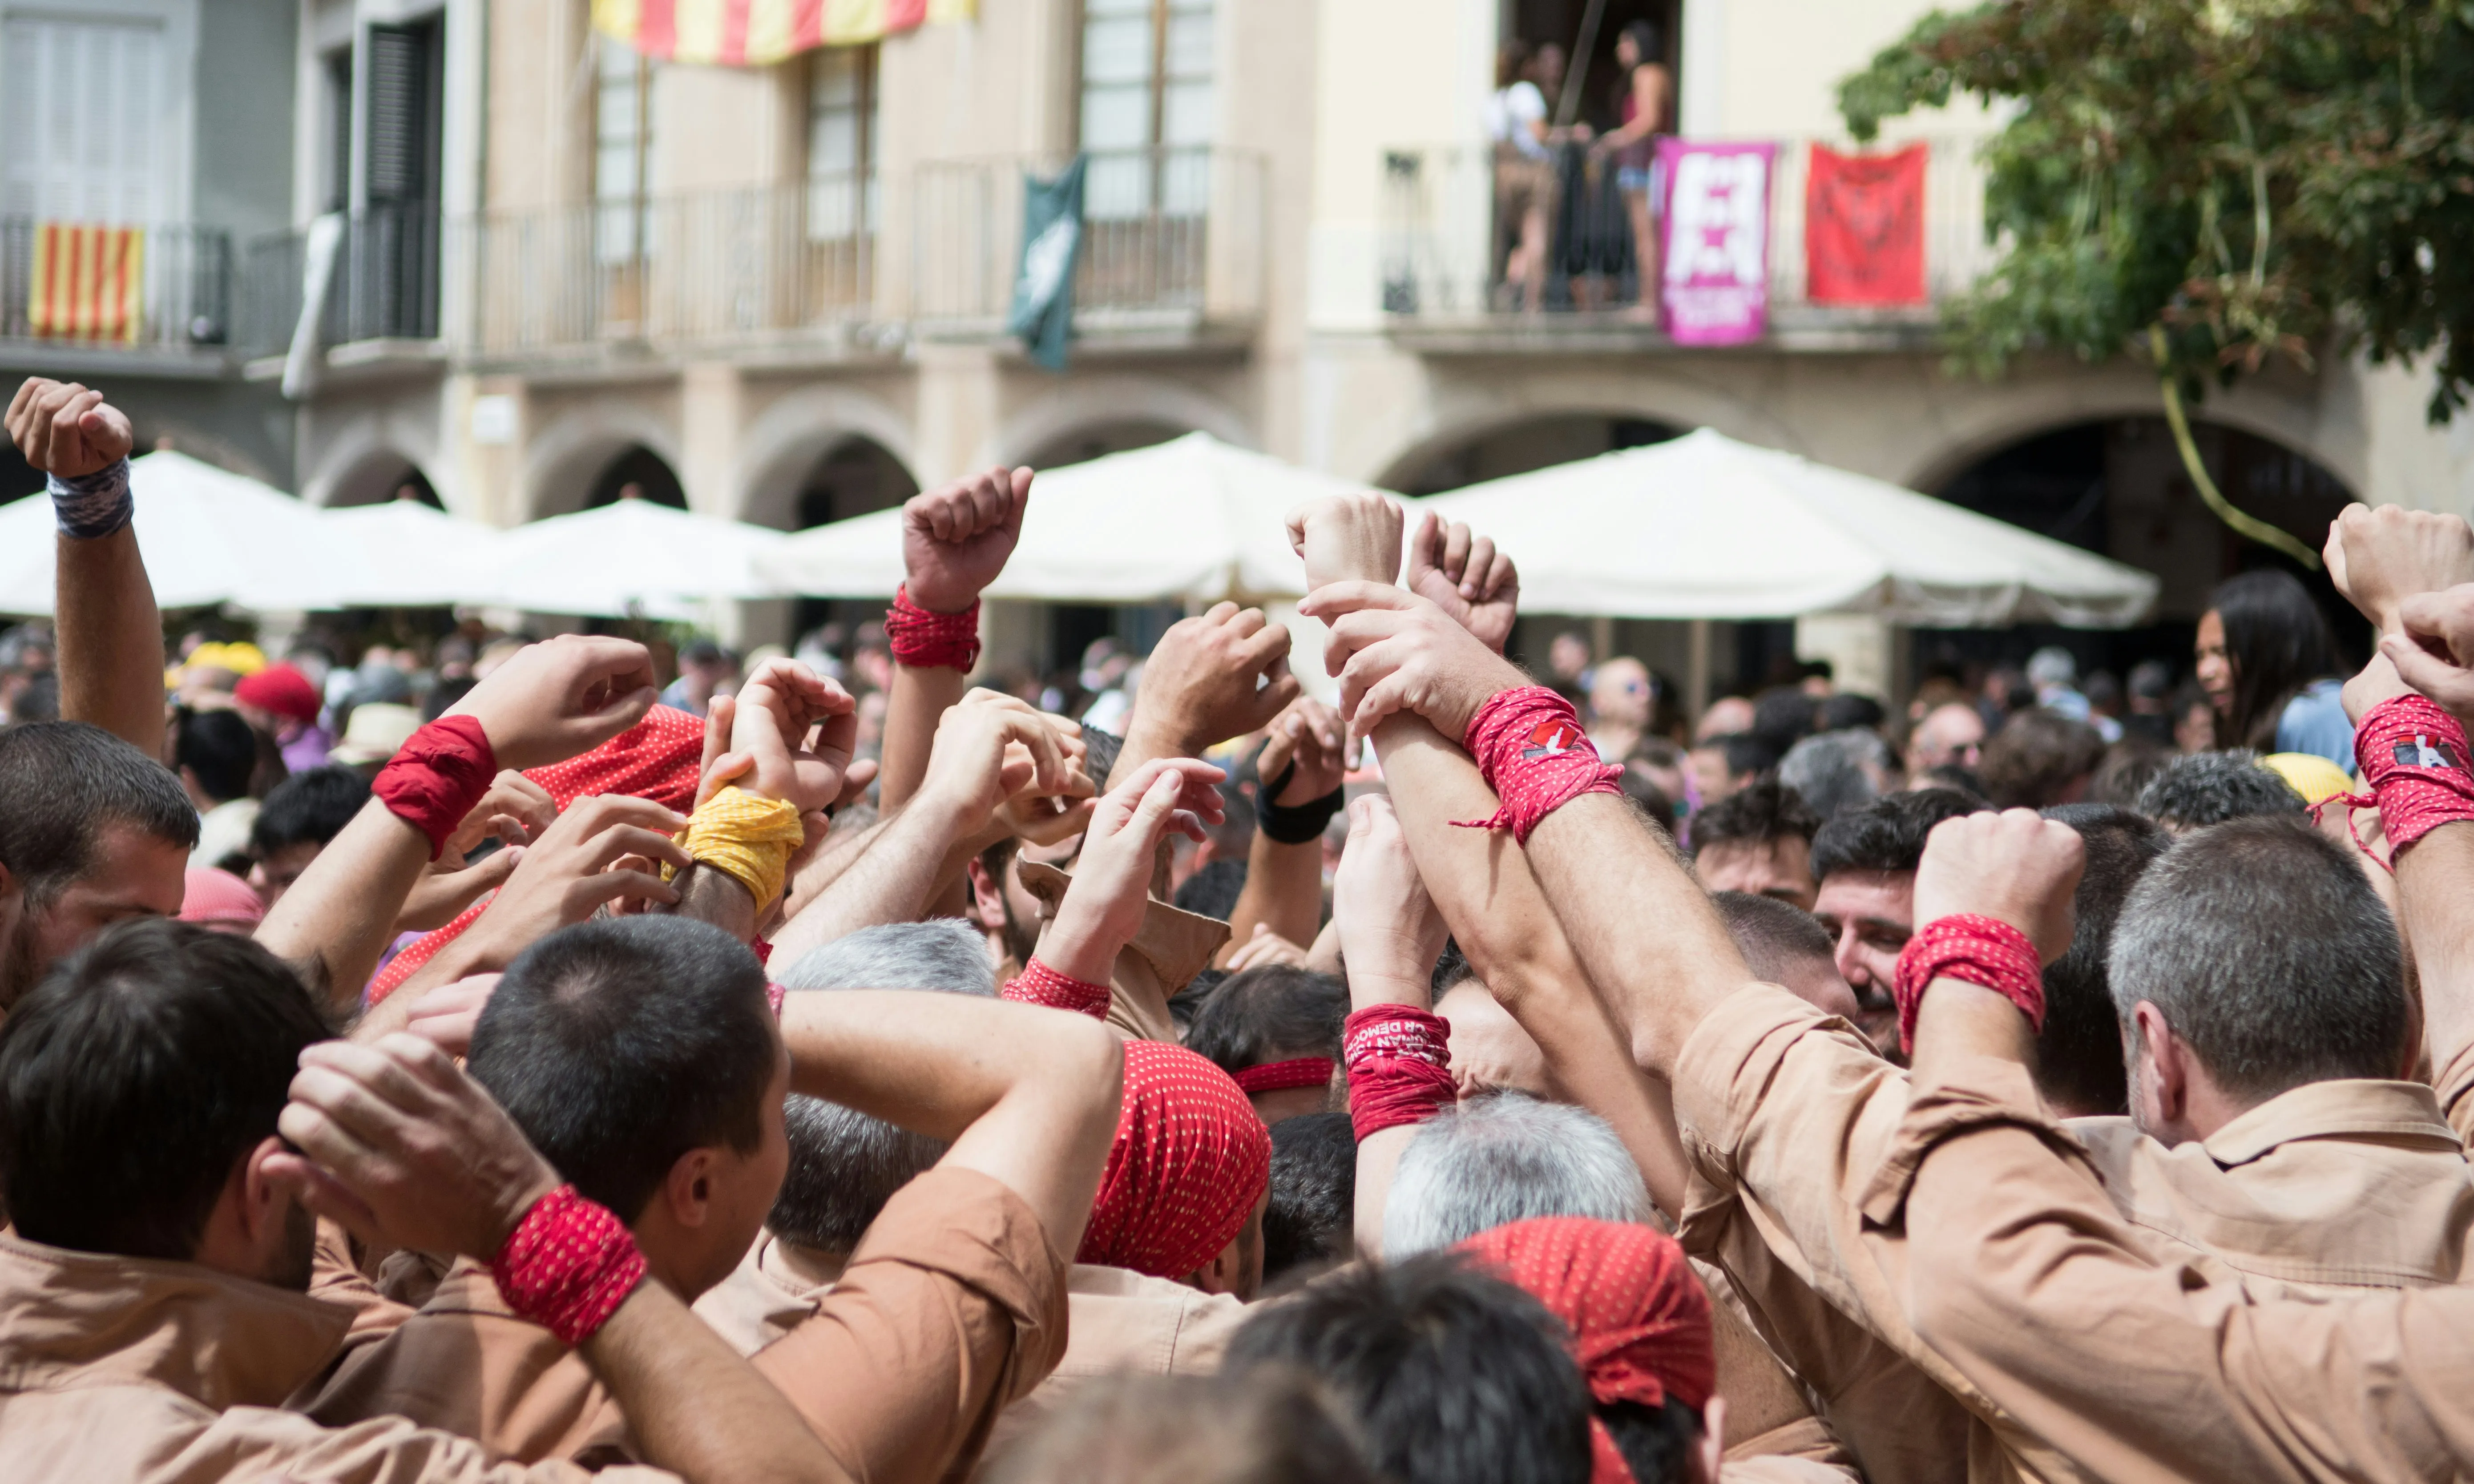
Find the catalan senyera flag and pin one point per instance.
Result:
(754, 33)
(88, 282)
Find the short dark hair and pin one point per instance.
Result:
(1213, 891)
(219, 748)
(40, 700)
(1314, 1193)
(1760, 813)
(1655, 1441)
(1745, 753)
(134, 1077)
(2129, 765)
(1845, 709)
(2078, 1053)
(2270, 952)
(1453, 1375)
(62, 784)
(2035, 758)
(1770, 934)
(1782, 716)
(2212, 788)
(619, 1045)
(845, 1164)
(1100, 752)
(1888, 834)
(309, 808)
(1270, 1013)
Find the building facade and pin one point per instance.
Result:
(778, 293)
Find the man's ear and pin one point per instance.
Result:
(1710, 1454)
(2168, 1061)
(266, 1195)
(689, 1188)
(987, 898)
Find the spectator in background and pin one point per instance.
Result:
(39, 701)
(2128, 766)
(281, 702)
(705, 668)
(1722, 764)
(2054, 674)
(2041, 758)
(1568, 665)
(215, 752)
(1837, 771)
(1729, 715)
(1645, 97)
(373, 734)
(1524, 179)
(299, 817)
(1949, 736)
(2195, 719)
(1782, 716)
(2006, 689)
(221, 902)
(2211, 787)
(2269, 666)
(2104, 705)
(25, 658)
(1758, 842)
(1865, 862)
(2148, 696)
(1621, 706)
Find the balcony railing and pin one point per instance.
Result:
(1172, 238)
(1448, 225)
(728, 265)
(114, 289)
(384, 284)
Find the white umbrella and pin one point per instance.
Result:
(630, 556)
(1193, 519)
(206, 535)
(1704, 528)
(413, 555)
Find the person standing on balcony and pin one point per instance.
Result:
(1645, 101)
(1524, 176)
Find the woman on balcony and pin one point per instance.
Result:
(1646, 98)
(1524, 176)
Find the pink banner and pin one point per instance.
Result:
(1714, 285)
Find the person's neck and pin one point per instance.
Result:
(801, 1265)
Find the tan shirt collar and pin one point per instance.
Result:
(2344, 1109)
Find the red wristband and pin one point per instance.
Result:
(437, 776)
(2413, 759)
(1982, 951)
(1280, 1076)
(1040, 984)
(774, 995)
(932, 641)
(1532, 752)
(567, 1265)
(1399, 1060)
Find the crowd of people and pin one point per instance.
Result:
(613, 1078)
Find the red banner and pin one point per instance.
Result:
(1864, 228)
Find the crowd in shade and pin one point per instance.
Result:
(813, 1065)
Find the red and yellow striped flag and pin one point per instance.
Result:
(754, 33)
(88, 282)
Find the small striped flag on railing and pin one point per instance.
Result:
(753, 33)
(88, 282)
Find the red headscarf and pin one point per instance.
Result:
(659, 758)
(279, 689)
(1639, 1319)
(1191, 1159)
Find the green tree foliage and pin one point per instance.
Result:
(2211, 186)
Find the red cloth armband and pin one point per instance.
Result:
(932, 641)
(567, 1265)
(1982, 951)
(1531, 750)
(1399, 1060)
(1280, 1076)
(437, 776)
(774, 995)
(1040, 984)
(2414, 761)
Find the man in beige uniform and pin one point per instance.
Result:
(1786, 1119)
(615, 1043)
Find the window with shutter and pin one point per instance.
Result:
(1147, 105)
(84, 109)
(399, 130)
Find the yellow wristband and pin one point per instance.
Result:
(749, 838)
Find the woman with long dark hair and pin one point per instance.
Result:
(2269, 666)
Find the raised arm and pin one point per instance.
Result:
(548, 703)
(403, 1149)
(1389, 937)
(1218, 675)
(1026, 1096)
(110, 637)
(1300, 767)
(954, 542)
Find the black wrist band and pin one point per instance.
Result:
(1294, 824)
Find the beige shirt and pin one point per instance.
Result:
(166, 1373)
(772, 1291)
(2065, 1326)
(1126, 1322)
(1787, 1118)
(952, 1306)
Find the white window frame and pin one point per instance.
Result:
(177, 116)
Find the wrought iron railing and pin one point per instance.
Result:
(1452, 219)
(382, 283)
(114, 287)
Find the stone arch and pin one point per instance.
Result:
(783, 445)
(1113, 401)
(562, 464)
(1462, 412)
(2004, 421)
(1519, 444)
(368, 475)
